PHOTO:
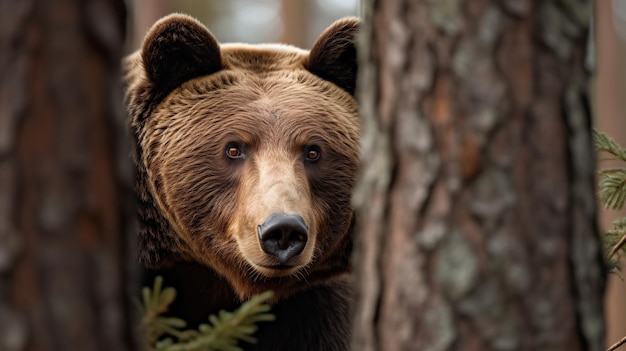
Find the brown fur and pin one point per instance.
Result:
(189, 98)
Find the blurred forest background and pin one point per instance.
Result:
(250, 21)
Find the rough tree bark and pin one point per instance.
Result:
(475, 204)
(63, 199)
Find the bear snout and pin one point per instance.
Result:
(283, 236)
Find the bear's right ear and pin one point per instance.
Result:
(176, 49)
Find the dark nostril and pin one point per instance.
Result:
(283, 235)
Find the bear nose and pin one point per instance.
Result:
(283, 235)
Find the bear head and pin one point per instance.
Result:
(246, 155)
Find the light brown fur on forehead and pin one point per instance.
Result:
(262, 57)
(270, 101)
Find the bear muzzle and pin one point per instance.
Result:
(283, 236)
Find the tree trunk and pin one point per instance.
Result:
(143, 15)
(296, 17)
(64, 199)
(475, 203)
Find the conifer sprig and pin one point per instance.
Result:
(612, 194)
(612, 188)
(221, 333)
(605, 143)
(156, 301)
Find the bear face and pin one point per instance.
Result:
(246, 155)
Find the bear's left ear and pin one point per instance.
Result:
(176, 49)
(333, 56)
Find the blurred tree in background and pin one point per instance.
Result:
(64, 177)
(295, 22)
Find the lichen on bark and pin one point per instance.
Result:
(487, 212)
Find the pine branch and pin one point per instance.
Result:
(612, 185)
(612, 189)
(617, 344)
(605, 143)
(156, 301)
(612, 193)
(620, 223)
(226, 329)
(221, 334)
(620, 244)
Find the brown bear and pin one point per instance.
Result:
(246, 157)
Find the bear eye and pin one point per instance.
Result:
(233, 151)
(312, 153)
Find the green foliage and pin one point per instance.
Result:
(607, 144)
(612, 193)
(612, 186)
(220, 334)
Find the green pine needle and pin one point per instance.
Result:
(612, 188)
(620, 223)
(221, 334)
(605, 143)
(612, 194)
